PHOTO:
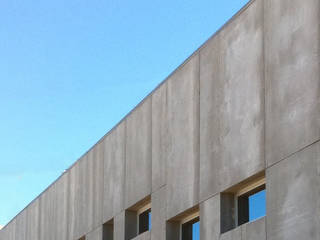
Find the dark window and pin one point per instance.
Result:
(252, 205)
(108, 231)
(145, 221)
(190, 230)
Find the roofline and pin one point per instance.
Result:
(237, 14)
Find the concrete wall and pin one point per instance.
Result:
(247, 101)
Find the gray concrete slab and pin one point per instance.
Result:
(158, 214)
(21, 225)
(138, 154)
(293, 196)
(72, 203)
(234, 234)
(119, 226)
(232, 103)
(97, 185)
(255, 230)
(114, 172)
(292, 40)
(9, 231)
(60, 208)
(33, 220)
(210, 218)
(160, 131)
(95, 234)
(183, 136)
(47, 214)
(143, 236)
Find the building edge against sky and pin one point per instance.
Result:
(240, 115)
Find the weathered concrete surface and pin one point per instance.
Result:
(114, 172)
(72, 203)
(293, 202)
(86, 193)
(60, 208)
(21, 225)
(160, 131)
(234, 234)
(143, 236)
(95, 234)
(33, 220)
(232, 103)
(47, 215)
(254, 230)
(183, 134)
(119, 226)
(158, 216)
(292, 41)
(9, 231)
(138, 154)
(210, 218)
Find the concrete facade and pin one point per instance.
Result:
(247, 102)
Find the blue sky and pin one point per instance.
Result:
(70, 70)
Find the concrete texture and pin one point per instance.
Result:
(95, 234)
(114, 172)
(232, 103)
(143, 236)
(183, 155)
(138, 154)
(160, 132)
(292, 41)
(21, 225)
(210, 218)
(33, 220)
(119, 226)
(246, 102)
(254, 230)
(293, 202)
(234, 234)
(158, 216)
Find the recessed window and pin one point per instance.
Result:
(186, 226)
(190, 230)
(138, 219)
(144, 221)
(108, 230)
(243, 203)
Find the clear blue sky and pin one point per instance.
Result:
(70, 70)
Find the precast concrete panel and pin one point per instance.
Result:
(21, 225)
(47, 214)
(232, 103)
(60, 208)
(138, 154)
(158, 216)
(293, 202)
(119, 226)
(234, 234)
(143, 236)
(292, 41)
(210, 218)
(114, 172)
(97, 185)
(95, 234)
(72, 203)
(254, 230)
(160, 133)
(9, 231)
(183, 136)
(33, 220)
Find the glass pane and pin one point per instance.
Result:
(196, 231)
(149, 220)
(257, 205)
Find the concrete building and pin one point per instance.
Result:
(240, 115)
